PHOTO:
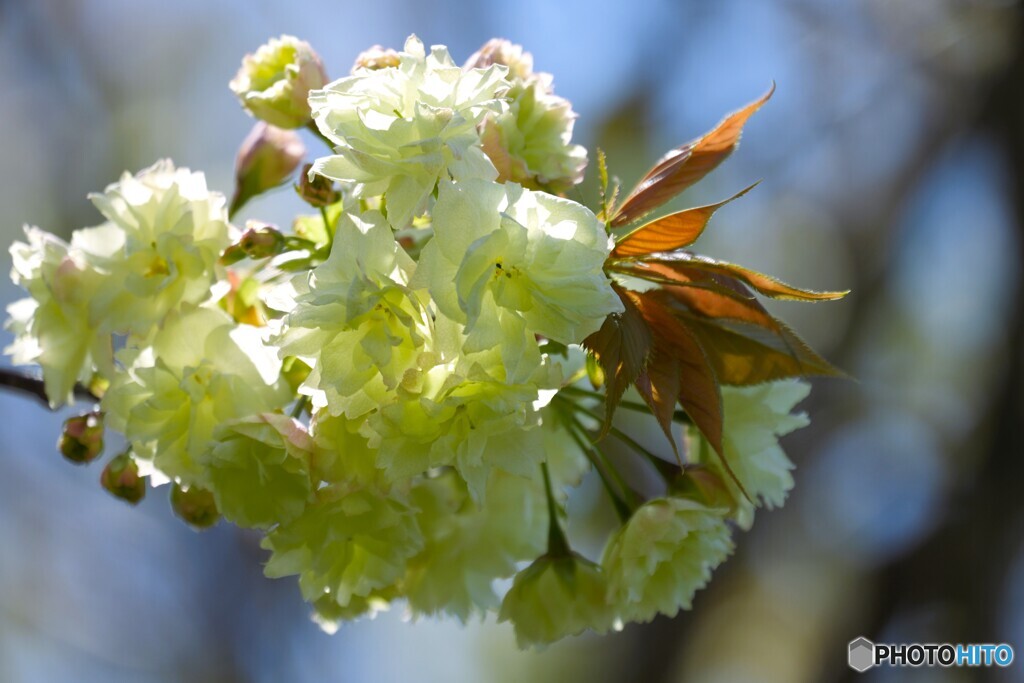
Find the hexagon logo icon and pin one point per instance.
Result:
(862, 654)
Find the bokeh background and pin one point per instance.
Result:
(893, 159)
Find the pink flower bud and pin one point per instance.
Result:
(317, 192)
(195, 506)
(82, 439)
(375, 58)
(267, 158)
(261, 240)
(121, 478)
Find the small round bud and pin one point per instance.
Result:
(195, 506)
(121, 478)
(317, 192)
(82, 439)
(274, 82)
(377, 57)
(267, 158)
(261, 240)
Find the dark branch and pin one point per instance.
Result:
(32, 386)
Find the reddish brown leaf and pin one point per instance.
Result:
(713, 304)
(670, 277)
(743, 354)
(658, 386)
(691, 266)
(678, 371)
(712, 296)
(621, 347)
(685, 165)
(674, 231)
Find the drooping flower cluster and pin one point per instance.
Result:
(395, 393)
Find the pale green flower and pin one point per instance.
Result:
(349, 544)
(470, 416)
(166, 231)
(341, 452)
(54, 327)
(510, 264)
(662, 556)
(399, 130)
(259, 469)
(199, 371)
(557, 597)
(755, 418)
(329, 615)
(531, 142)
(356, 322)
(158, 250)
(274, 83)
(468, 546)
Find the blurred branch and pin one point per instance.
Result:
(34, 387)
(964, 564)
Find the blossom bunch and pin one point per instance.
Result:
(400, 391)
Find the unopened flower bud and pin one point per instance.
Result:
(317, 192)
(121, 478)
(267, 158)
(505, 52)
(273, 83)
(703, 485)
(377, 57)
(261, 240)
(82, 438)
(195, 506)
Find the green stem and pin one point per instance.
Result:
(612, 470)
(622, 508)
(665, 469)
(327, 224)
(236, 206)
(677, 416)
(300, 405)
(558, 546)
